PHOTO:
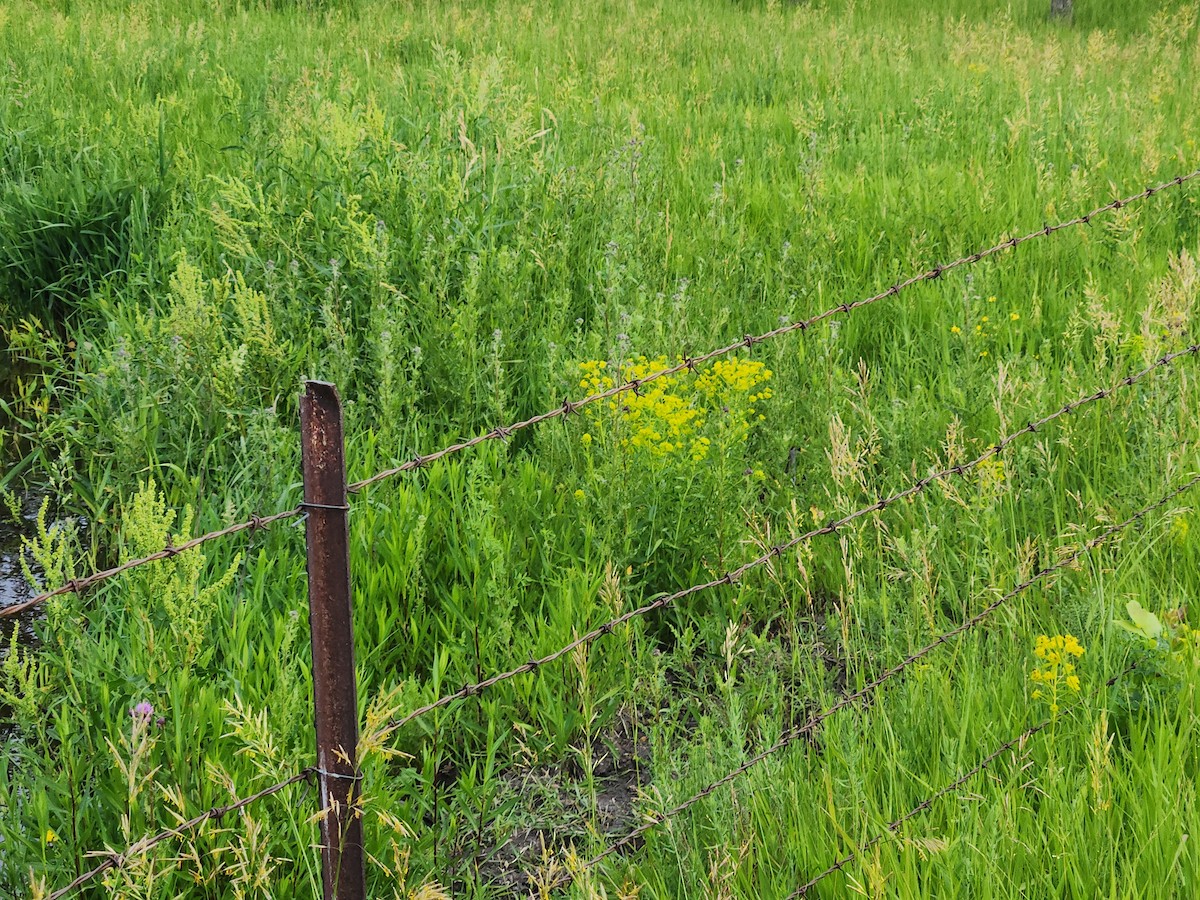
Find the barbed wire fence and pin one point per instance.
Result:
(325, 511)
(688, 363)
(115, 859)
(733, 575)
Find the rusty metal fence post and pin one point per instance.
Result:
(327, 531)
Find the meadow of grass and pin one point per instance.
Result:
(462, 213)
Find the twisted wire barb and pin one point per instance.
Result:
(894, 826)
(734, 574)
(145, 845)
(501, 432)
(794, 734)
(749, 340)
(75, 585)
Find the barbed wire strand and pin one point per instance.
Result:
(894, 826)
(75, 585)
(690, 362)
(794, 734)
(776, 551)
(145, 845)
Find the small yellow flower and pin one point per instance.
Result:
(954, 329)
(1014, 316)
(579, 495)
(991, 300)
(984, 319)
(586, 439)
(50, 837)
(1073, 682)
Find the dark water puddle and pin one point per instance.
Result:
(14, 588)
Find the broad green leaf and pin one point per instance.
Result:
(1145, 621)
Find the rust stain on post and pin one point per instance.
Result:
(331, 622)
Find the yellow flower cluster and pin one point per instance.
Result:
(1179, 529)
(1054, 650)
(1057, 668)
(654, 419)
(729, 379)
(662, 419)
(730, 386)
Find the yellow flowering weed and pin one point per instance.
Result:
(1055, 674)
(665, 418)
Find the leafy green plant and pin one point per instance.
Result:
(1165, 654)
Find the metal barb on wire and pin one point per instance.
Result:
(894, 826)
(114, 860)
(831, 527)
(77, 585)
(794, 734)
(748, 341)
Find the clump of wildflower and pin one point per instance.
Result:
(654, 418)
(1055, 675)
(143, 711)
(1179, 529)
(735, 387)
(663, 417)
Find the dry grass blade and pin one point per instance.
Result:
(115, 860)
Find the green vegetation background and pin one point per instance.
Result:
(449, 210)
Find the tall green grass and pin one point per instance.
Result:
(449, 210)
